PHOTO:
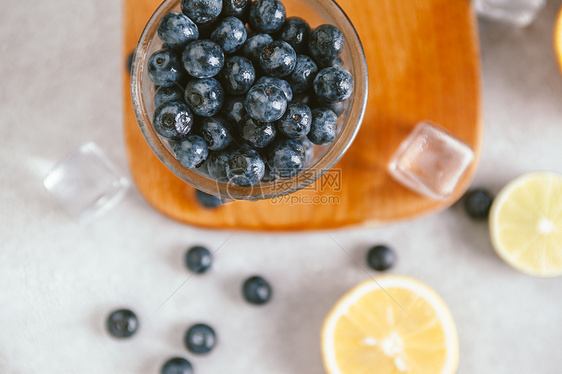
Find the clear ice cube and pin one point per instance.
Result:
(518, 12)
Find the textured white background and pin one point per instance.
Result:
(60, 85)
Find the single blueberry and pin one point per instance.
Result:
(207, 200)
(381, 258)
(177, 365)
(204, 96)
(286, 158)
(236, 8)
(172, 119)
(254, 46)
(303, 75)
(282, 84)
(203, 59)
(278, 59)
(308, 150)
(326, 43)
(256, 290)
(295, 123)
(201, 11)
(238, 75)
(165, 94)
(477, 203)
(267, 16)
(323, 126)
(296, 32)
(233, 108)
(176, 30)
(198, 259)
(216, 132)
(122, 323)
(190, 151)
(333, 84)
(257, 134)
(217, 163)
(245, 167)
(230, 34)
(265, 102)
(200, 339)
(165, 68)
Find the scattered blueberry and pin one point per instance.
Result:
(282, 84)
(254, 46)
(265, 102)
(286, 158)
(326, 43)
(233, 108)
(172, 119)
(217, 163)
(230, 34)
(238, 75)
(296, 32)
(203, 59)
(122, 323)
(198, 259)
(303, 75)
(333, 84)
(165, 68)
(381, 258)
(201, 11)
(236, 8)
(177, 365)
(267, 16)
(278, 59)
(257, 134)
(200, 339)
(245, 167)
(295, 123)
(477, 203)
(204, 96)
(323, 127)
(256, 290)
(191, 151)
(207, 200)
(176, 30)
(165, 94)
(216, 132)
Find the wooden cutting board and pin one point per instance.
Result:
(432, 48)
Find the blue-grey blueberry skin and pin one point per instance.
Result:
(265, 102)
(165, 68)
(233, 108)
(337, 107)
(191, 151)
(199, 259)
(176, 30)
(204, 96)
(165, 94)
(201, 11)
(254, 45)
(267, 16)
(230, 34)
(236, 8)
(337, 63)
(281, 83)
(308, 150)
(303, 75)
(255, 133)
(256, 290)
(323, 127)
(216, 132)
(122, 323)
(177, 365)
(295, 123)
(217, 162)
(333, 84)
(296, 32)
(203, 59)
(245, 167)
(326, 43)
(278, 59)
(172, 119)
(200, 339)
(238, 75)
(286, 157)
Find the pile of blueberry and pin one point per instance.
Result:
(243, 92)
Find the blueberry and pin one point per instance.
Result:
(257, 134)
(245, 167)
(230, 34)
(296, 32)
(254, 46)
(265, 102)
(303, 75)
(278, 59)
(282, 84)
(217, 163)
(207, 200)
(204, 96)
(176, 30)
(256, 290)
(177, 365)
(326, 43)
(333, 84)
(201, 11)
(190, 151)
(172, 119)
(200, 339)
(308, 150)
(236, 8)
(165, 94)
(295, 123)
(203, 59)
(233, 108)
(267, 16)
(381, 258)
(122, 323)
(216, 132)
(323, 127)
(238, 75)
(198, 259)
(286, 158)
(477, 203)
(165, 68)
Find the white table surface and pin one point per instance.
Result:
(60, 86)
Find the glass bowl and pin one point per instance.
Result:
(315, 12)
